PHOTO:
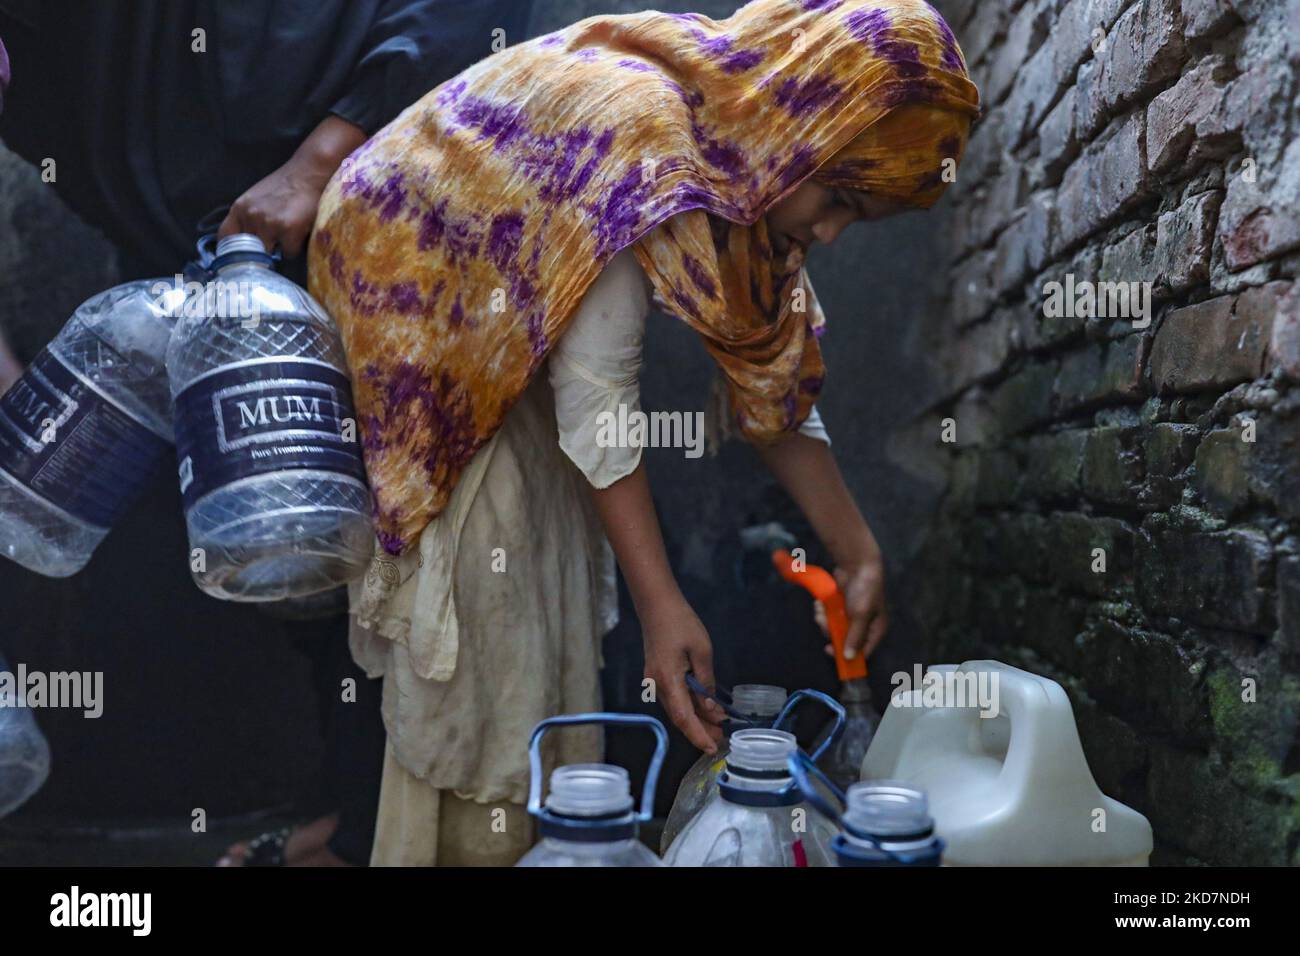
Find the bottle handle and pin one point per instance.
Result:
(831, 704)
(720, 696)
(800, 766)
(623, 720)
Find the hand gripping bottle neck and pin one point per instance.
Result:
(722, 698)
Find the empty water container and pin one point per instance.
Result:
(757, 817)
(270, 465)
(83, 429)
(746, 706)
(589, 818)
(997, 751)
(24, 752)
(884, 823)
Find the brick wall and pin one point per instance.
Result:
(1154, 142)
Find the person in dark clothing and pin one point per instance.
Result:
(170, 118)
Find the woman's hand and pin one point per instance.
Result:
(863, 587)
(281, 209)
(675, 643)
(807, 470)
(675, 640)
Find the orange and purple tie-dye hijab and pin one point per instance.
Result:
(455, 246)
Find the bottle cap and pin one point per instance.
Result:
(761, 750)
(589, 790)
(887, 808)
(758, 700)
(240, 242)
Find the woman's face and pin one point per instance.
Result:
(818, 213)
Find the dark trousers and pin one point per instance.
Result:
(353, 764)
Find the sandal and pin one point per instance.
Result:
(267, 849)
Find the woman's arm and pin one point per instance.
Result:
(675, 640)
(593, 370)
(807, 470)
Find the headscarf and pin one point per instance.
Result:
(455, 246)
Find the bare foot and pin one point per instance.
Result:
(304, 842)
(322, 857)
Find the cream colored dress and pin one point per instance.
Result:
(494, 621)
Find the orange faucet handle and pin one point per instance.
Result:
(821, 585)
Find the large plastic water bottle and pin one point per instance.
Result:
(85, 426)
(274, 488)
(757, 817)
(884, 823)
(24, 752)
(746, 706)
(589, 818)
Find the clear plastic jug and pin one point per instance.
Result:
(84, 428)
(757, 816)
(746, 706)
(589, 818)
(24, 752)
(884, 824)
(1009, 789)
(272, 480)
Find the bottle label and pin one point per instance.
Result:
(70, 445)
(264, 416)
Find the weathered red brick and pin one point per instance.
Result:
(1033, 92)
(1100, 372)
(1076, 30)
(1014, 50)
(1101, 183)
(1284, 350)
(1057, 143)
(1128, 259)
(1208, 345)
(1184, 238)
(1143, 50)
(1260, 220)
(1188, 121)
(1207, 18)
(1208, 578)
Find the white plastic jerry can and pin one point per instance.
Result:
(997, 750)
